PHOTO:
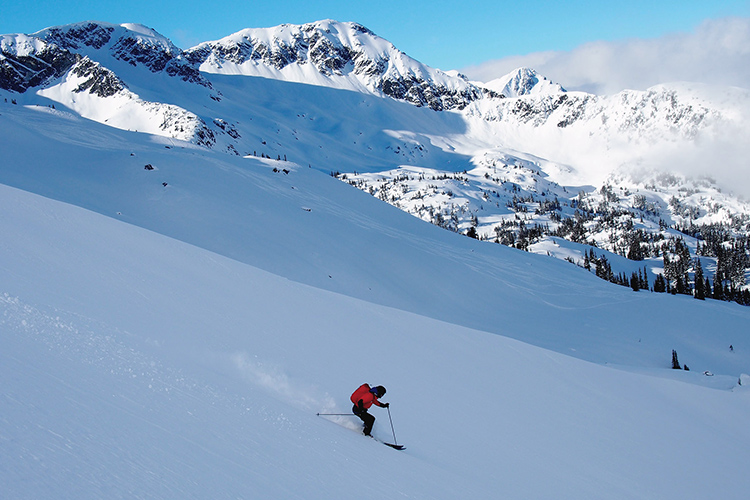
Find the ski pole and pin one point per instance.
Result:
(392, 430)
(336, 414)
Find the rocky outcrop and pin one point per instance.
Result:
(135, 45)
(99, 81)
(28, 62)
(75, 36)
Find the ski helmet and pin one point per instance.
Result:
(379, 391)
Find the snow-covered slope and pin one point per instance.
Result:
(572, 144)
(513, 199)
(141, 365)
(173, 317)
(278, 221)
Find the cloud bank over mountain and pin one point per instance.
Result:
(717, 52)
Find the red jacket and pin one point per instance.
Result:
(367, 397)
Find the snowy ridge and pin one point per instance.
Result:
(132, 44)
(96, 93)
(341, 55)
(630, 116)
(667, 127)
(596, 134)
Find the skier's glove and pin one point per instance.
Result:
(360, 405)
(386, 405)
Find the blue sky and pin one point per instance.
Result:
(440, 33)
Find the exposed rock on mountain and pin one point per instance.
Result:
(345, 55)
(86, 86)
(133, 44)
(29, 62)
(98, 81)
(75, 36)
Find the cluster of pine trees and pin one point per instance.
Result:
(603, 269)
(727, 243)
(676, 278)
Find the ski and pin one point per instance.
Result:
(392, 445)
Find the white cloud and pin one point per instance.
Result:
(717, 52)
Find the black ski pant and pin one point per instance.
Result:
(368, 419)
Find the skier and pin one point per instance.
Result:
(363, 398)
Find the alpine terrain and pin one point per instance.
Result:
(206, 250)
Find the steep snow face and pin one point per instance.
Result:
(523, 81)
(96, 93)
(329, 53)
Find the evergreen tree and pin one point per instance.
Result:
(660, 284)
(680, 285)
(700, 293)
(635, 251)
(718, 288)
(635, 282)
(676, 265)
(675, 361)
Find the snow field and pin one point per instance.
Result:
(192, 394)
(176, 341)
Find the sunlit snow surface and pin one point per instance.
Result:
(177, 341)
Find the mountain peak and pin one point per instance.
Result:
(524, 81)
(97, 34)
(334, 54)
(134, 44)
